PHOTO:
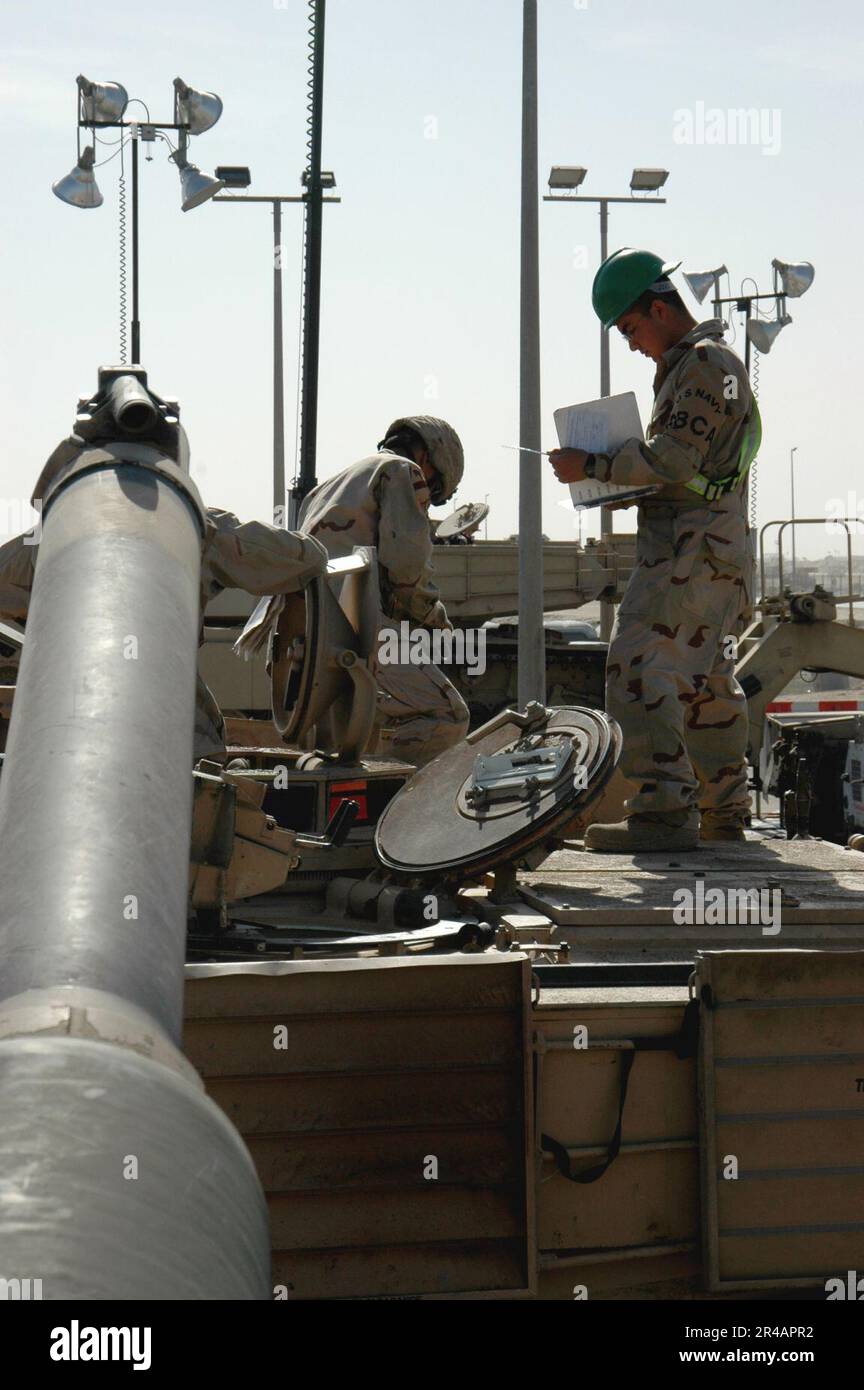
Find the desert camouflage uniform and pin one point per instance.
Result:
(670, 679)
(383, 501)
(250, 555)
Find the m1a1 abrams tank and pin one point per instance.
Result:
(428, 1110)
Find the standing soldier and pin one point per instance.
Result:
(383, 501)
(670, 678)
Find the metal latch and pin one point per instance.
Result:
(519, 774)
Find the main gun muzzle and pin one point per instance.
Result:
(132, 405)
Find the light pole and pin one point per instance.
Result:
(570, 177)
(233, 179)
(756, 331)
(531, 658)
(102, 106)
(313, 179)
(792, 453)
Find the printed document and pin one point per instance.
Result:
(600, 427)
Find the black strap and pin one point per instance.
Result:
(560, 1154)
(683, 1044)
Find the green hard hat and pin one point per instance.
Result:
(621, 279)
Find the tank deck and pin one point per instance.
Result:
(622, 908)
(622, 917)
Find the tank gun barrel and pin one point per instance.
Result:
(121, 1178)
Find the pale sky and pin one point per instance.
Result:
(420, 294)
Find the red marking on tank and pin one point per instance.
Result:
(349, 791)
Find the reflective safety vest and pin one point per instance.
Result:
(711, 488)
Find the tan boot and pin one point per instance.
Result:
(675, 830)
(729, 829)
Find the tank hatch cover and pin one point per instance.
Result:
(464, 519)
(511, 787)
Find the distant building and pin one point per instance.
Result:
(830, 572)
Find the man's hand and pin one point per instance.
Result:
(568, 464)
(437, 618)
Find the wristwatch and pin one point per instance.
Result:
(590, 465)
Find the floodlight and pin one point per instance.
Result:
(195, 187)
(701, 281)
(197, 110)
(566, 176)
(328, 178)
(796, 276)
(102, 103)
(234, 175)
(648, 180)
(763, 335)
(79, 187)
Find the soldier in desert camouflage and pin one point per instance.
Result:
(383, 501)
(670, 679)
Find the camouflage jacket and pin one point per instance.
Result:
(249, 555)
(257, 557)
(703, 406)
(382, 501)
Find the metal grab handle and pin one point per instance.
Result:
(336, 831)
(534, 713)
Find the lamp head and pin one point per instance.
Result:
(79, 187)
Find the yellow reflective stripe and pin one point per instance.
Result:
(699, 483)
(710, 487)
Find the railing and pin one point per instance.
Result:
(850, 596)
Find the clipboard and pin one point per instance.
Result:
(600, 427)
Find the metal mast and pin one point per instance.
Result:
(532, 651)
(306, 479)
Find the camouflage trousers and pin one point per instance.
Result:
(670, 679)
(420, 714)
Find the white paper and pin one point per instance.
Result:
(600, 427)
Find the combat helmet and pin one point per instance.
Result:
(445, 452)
